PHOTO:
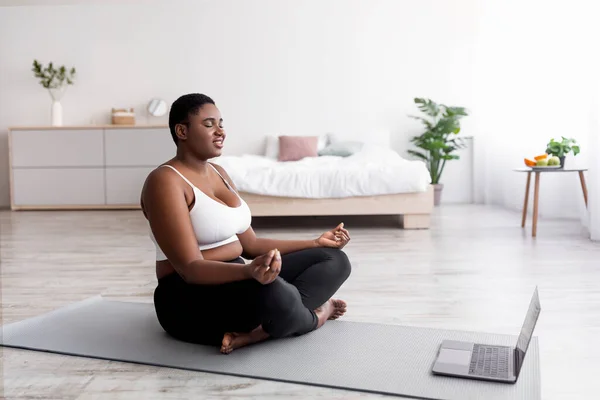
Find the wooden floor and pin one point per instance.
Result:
(474, 270)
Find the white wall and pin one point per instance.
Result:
(534, 69)
(272, 66)
(594, 195)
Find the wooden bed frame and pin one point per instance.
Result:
(414, 209)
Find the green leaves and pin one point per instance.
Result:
(447, 125)
(417, 154)
(428, 107)
(450, 157)
(438, 142)
(51, 77)
(562, 148)
(555, 148)
(454, 112)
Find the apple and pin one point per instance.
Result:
(542, 163)
(554, 161)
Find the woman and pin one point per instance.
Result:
(206, 292)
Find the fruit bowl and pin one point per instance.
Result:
(544, 167)
(542, 161)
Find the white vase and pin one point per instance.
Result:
(56, 113)
(56, 110)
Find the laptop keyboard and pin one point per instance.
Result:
(490, 361)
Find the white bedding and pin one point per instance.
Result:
(373, 171)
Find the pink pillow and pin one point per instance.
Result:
(294, 148)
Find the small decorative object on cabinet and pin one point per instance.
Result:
(123, 116)
(56, 81)
(438, 140)
(157, 107)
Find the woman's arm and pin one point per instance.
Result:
(254, 246)
(167, 212)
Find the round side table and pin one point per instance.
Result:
(536, 190)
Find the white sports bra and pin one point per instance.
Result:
(214, 223)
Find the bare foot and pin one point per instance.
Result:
(233, 340)
(339, 308)
(332, 309)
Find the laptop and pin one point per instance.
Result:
(485, 361)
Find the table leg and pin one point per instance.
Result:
(583, 187)
(536, 192)
(526, 200)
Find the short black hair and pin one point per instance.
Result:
(183, 107)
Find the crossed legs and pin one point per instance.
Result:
(299, 300)
(239, 313)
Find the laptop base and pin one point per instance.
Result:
(475, 361)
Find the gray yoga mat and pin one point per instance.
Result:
(386, 359)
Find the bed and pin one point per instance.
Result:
(375, 180)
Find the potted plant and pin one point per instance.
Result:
(562, 148)
(56, 81)
(439, 142)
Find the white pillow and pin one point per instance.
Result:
(272, 147)
(379, 138)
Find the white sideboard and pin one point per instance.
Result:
(91, 167)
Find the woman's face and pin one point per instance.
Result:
(204, 134)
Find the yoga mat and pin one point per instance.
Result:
(385, 359)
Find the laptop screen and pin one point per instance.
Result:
(527, 329)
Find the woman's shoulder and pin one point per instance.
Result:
(160, 174)
(164, 190)
(160, 179)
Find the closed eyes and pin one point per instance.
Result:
(209, 122)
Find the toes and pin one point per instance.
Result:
(226, 344)
(336, 314)
(226, 348)
(340, 303)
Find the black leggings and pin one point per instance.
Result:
(204, 313)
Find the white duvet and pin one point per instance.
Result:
(373, 171)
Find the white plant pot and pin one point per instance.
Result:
(56, 113)
(437, 194)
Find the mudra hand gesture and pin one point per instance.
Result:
(265, 268)
(337, 238)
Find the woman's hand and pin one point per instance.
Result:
(265, 268)
(337, 237)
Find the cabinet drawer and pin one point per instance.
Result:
(57, 148)
(138, 147)
(58, 186)
(124, 185)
